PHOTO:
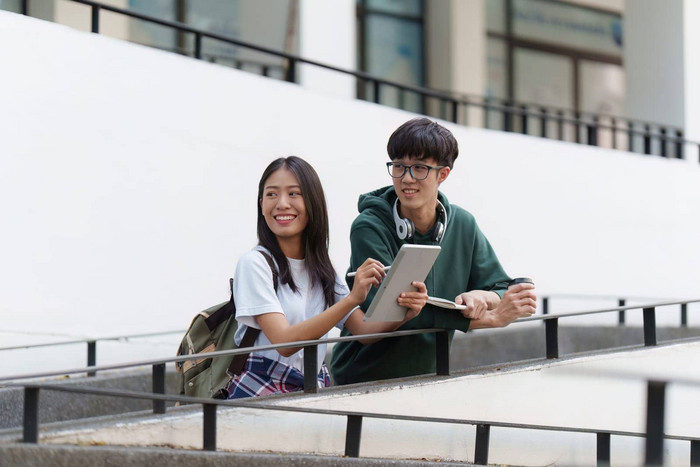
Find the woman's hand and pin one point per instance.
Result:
(369, 274)
(414, 301)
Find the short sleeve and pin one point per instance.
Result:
(342, 291)
(253, 289)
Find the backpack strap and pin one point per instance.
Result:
(251, 334)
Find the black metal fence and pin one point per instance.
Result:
(527, 118)
(655, 404)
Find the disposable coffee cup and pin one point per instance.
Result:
(521, 280)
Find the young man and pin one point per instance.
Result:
(467, 270)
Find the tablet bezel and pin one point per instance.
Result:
(412, 263)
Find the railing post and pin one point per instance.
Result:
(291, 75)
(481, 445)
(507, 117)
(684, 315)
(679, 144)
(593, 132)
(197, 46)
(375, 87)
(647, 139)
(656, 402)
(613, 125)
(621, 317)
(662, 140)
(95, 19)
(311, 369)
(91, 356)
(442, 353)
(551, 329)
(603, 448)
(545, 305)
(353, 432)
(25, 7)
(695, 452)
(455, 111)
(31, 415)
(523, 119)
(560, 125)
(209, 427)
(487, 112)
(649, 326)
(158, 383)
(577, 126)
(630, 136)
(543, 122)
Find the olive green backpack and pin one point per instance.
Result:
(214, 329)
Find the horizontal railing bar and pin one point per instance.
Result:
(606, 310)
(256, 404)
(178, 331)
(93, 339)
(635, 375)
(219, 353)
(602, 296)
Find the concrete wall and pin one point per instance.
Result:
(128, 180)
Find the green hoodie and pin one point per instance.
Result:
(466, 262)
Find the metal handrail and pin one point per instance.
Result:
(655, 403)
(508, 107)
(87, 340)
(220, 353)
(551, 335)
(654, 435)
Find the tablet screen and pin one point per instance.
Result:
(412, 263)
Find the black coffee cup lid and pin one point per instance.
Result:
(521, 280)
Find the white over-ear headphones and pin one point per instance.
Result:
(406, 231)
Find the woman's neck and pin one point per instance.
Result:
(292, 248)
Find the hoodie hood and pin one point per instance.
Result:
(379, 205)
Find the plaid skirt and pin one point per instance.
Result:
(262, 376)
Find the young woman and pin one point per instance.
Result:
(310, 298)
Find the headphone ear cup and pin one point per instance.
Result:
(404, 227)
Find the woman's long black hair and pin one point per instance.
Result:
(315, 235)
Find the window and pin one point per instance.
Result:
(391, 47)
(554, 54)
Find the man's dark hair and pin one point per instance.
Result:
(422, 138)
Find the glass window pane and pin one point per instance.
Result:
(395, 51)
(603, 92)
(152, 34)
(400, 7)
(569, 26)
(10, 5)
(544, 78)
(547, 80)
(496, 16)
(497, 80)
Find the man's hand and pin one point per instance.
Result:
(414, 301)
(478, 302)
(519, 301)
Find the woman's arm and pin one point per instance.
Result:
(278, 330)
(414, 301)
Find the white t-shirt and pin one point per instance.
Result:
(255, 295)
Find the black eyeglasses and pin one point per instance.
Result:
(417, 171)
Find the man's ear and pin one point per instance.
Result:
(443, 174)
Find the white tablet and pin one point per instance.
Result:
(412, 263)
